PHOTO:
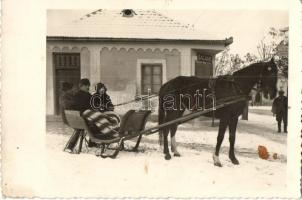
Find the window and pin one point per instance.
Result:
(67, 60)
(151, 78)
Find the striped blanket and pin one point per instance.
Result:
(103, 123)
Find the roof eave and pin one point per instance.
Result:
(228, 41)
(225, 42)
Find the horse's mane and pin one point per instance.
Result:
(252, 68)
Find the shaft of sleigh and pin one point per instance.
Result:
(190, 116)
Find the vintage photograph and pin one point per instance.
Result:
(182, 103)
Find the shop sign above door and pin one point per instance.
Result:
(204, 58)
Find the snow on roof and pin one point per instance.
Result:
(128, 23)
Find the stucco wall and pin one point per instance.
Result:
(119, 67)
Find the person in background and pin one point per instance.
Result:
(81, 103)
(100, 100)
(258, 99)
(279, 109)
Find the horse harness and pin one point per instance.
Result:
(228, 78)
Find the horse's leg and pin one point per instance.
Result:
(173, 130)
(222, 128)
(166, 148)
(232, 128)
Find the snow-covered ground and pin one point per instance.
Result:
(147, 174)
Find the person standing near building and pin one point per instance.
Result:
(279, 109)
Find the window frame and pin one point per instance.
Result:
(64, 54)
(141, 62)
(151, 66)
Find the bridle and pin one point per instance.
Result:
(260, 81)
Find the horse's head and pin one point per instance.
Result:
(268, 80)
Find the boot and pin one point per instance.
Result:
(279, 127)
(92, 144)
(73, 141)
(285, 128)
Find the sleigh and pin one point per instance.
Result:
(132, 123)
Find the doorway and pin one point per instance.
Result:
(203, 70)
(67, 68)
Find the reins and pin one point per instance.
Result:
(212, 82)
(145, 97)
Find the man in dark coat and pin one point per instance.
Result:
(279, 109)
(82, 97)
(81, 103)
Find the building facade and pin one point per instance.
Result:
(133, 55)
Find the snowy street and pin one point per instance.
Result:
(147, 173)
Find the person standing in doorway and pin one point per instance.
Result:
(279, 109)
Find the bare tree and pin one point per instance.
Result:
(222, 62)
(265, 51)
(227, 63)
(267, 47)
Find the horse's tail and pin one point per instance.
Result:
(161, 118)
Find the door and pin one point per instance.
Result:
(203, 70)
(203, 66)
(67, 69)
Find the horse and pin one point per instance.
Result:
(175, 96)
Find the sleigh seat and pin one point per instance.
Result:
(132, 123)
